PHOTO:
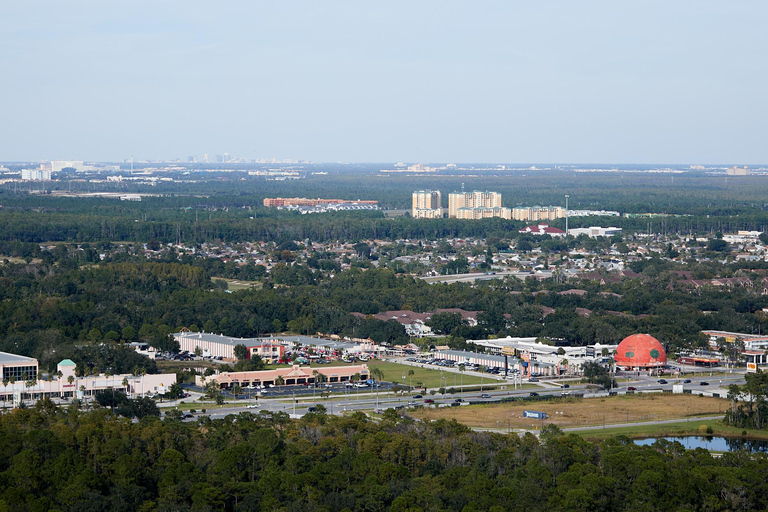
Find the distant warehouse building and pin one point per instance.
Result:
(272, 348)
(594, 231)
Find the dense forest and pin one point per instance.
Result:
(54, 459)
(50, 308)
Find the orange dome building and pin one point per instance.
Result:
(640, 351)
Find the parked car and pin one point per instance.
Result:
(533, 379)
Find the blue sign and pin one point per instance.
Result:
(535, 414)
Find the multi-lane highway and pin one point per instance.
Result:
(367, 399)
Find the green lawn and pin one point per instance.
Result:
(394, 372)
(237, 284)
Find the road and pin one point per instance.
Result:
(367, 399)
(470, 278)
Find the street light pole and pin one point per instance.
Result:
(566, 215)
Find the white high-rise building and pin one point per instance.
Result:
(427, 204)
(35, 174)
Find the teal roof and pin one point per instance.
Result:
(67, 362)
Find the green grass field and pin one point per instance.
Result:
(235, 284)
(430, 378)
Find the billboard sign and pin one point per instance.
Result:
(539, 415)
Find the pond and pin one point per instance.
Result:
(713, 443)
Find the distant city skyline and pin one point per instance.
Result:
(430, 81)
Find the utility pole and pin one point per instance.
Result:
(566, 216)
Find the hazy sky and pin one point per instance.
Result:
(414, 81)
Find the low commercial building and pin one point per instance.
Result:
(273, 202)
(295, 375)
(756, 360)
(218, 345)
(568, 358)
(65, 384)
(17, 368)
(542, 229)
(595, 231)
(750, 341)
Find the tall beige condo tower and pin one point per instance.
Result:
(475, 199)
(427, 204)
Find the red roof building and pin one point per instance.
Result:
(543, 229)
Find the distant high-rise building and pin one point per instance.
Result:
(483, 213)
(35, 174)
(205, 158)
(738, 171)
(427, 204)
(219, 159)
(535, 213)
(58, 165)
(475, 199)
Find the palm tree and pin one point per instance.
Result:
(377, 373)
(279, 381)
(70, 380)
(410, 377)
(6, 381)
(236, 389)
(481, 369)
(125, 385)
(29, 383)
(82, 390)
(462, 369)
